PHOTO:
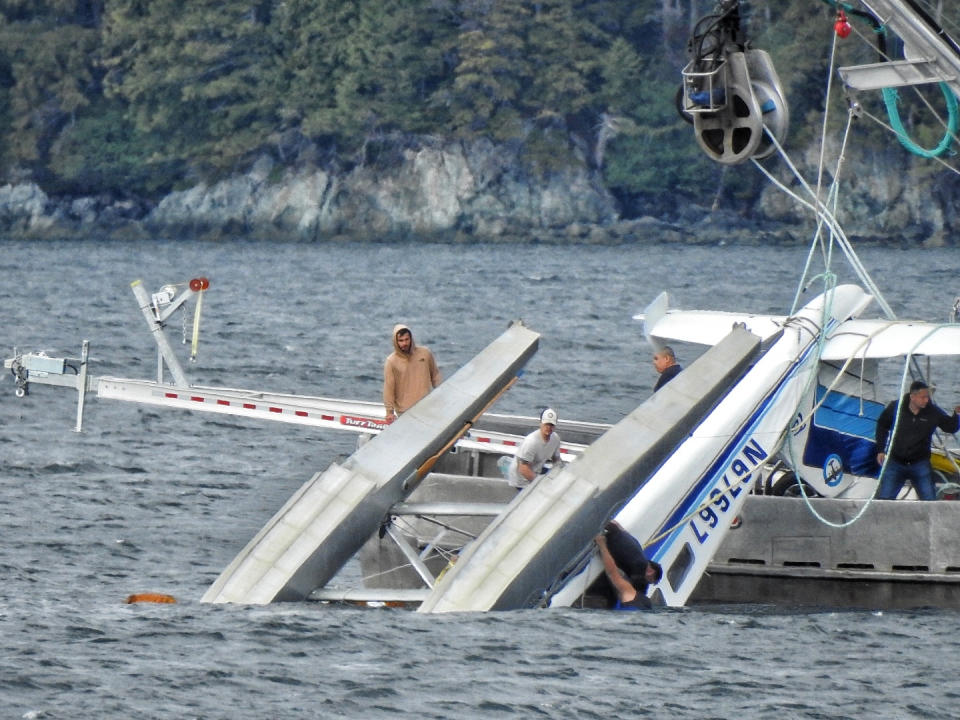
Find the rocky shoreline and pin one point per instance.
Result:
(450, 194)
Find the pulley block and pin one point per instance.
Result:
(771, 99)
(732, 133)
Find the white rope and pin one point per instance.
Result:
(817, 239)
(886, 126)
(834, 224)
(823, 149)
(903, 382)
(794, 466)
(826, 215)
(825, 212)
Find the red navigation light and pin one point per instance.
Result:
(841, 27)
(198, 284)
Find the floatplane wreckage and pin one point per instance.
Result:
(701, 473)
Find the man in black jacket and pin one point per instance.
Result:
(917, 420)
(627, 568)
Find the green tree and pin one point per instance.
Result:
(137, 95)
(47, 70)
(356, 71)
(494, 70)
(313, 38)
(198, 73)
(563, 50)
(651, 155)
(102, 152)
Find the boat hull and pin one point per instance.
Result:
(900, 554)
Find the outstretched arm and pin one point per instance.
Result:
(625, 590)
(951, 423)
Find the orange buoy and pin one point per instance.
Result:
(150, 597)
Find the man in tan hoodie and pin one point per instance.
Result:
(409, 373)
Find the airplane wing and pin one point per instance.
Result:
(891, 338)
(701, 327)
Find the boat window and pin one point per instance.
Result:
(680, 567)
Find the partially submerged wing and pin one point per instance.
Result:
(702, 327)
(891, 338)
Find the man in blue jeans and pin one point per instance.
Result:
(916, 420)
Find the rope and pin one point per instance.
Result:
(833, 194)
(903, 382)
(817, 237)
(823, 148)
(881, 123)
(833, 223)
(825, 216)
(910, 359)
(890, 98)
(829, 283)
(896, 421)
(791, 459)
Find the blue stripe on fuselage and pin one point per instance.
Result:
(708, 480)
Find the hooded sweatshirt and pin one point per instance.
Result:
(407, 377)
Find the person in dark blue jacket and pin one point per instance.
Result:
(665, 363)
(627, 567)
(915, 421)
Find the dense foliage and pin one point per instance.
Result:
(143, 96)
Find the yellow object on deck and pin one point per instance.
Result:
(941, 462)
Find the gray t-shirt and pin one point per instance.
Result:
(536, 452)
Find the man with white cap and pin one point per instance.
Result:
(539, 446)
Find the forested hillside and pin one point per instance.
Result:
(136, 98)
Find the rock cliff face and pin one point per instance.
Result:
(477, 192)
(885, 195)
(446, 191)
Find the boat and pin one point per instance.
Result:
(757, 486)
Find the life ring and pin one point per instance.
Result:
(150, 597)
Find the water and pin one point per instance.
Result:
(155, 500)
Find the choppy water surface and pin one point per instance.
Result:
(155, 500)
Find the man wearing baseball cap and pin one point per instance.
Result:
(539, 446)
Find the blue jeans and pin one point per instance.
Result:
(896, 473)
